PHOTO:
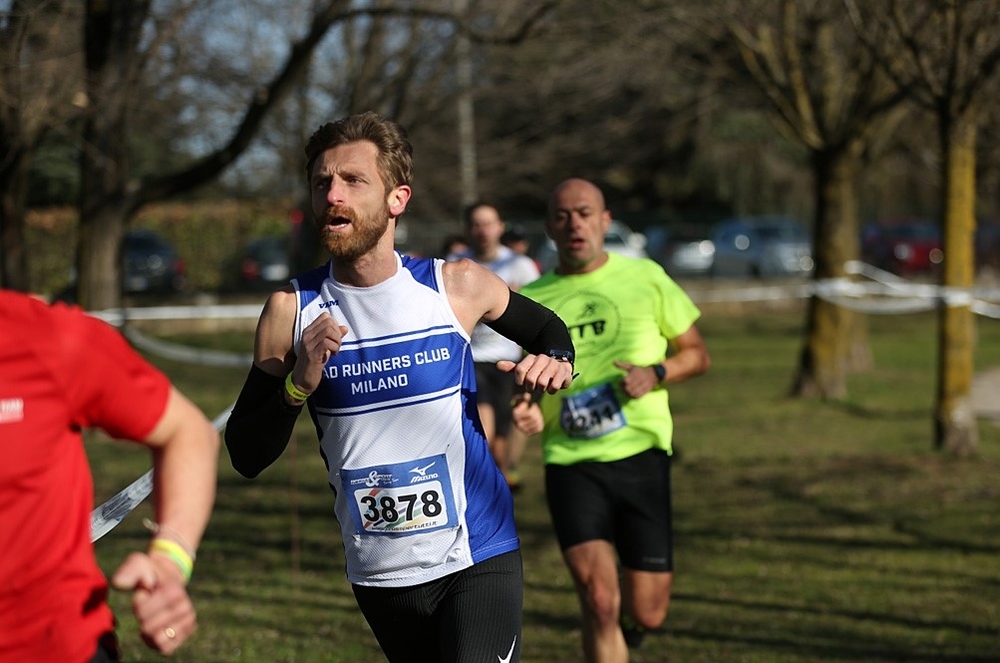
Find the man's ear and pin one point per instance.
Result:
(397, 200)
(606, 220)
(545, 227)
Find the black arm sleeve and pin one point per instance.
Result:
(260, 424)
(534, 327)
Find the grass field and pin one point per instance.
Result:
(805, 531)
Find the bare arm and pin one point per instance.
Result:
(273, 349)
(185, 457)
(690, 356)
(689, 359)
(527, 415)
(265, 412)
(475, 293)
(185, 449)
(478, 295)
(272, 343)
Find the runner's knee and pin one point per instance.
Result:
(648, 599)
(651, 617)
(602, 602)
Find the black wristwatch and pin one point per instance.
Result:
(562, 355)
(660, 371)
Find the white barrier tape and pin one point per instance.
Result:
(756, 294)
(895, 298)
(118, 317)
(106, 517)
(861, 297)
(187, 354)
(886, 293)
(896, 306)
(841, 287)
(986, 309)
(873, 273)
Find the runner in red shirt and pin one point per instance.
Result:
(62, 371)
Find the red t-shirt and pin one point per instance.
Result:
(60, 371)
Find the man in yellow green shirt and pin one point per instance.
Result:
(607, 439)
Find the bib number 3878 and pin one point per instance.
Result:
(404, 498)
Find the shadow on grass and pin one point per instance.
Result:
(801, 491)
(857, 651)
(882, 414)
(782, 609)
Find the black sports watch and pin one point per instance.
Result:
(562, 355)
(660, 371)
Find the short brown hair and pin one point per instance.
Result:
(395, 154)
(472, 207)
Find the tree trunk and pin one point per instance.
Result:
(102, 218)
(14, 272)
(956, 430)
(14, 157)
(108, 196)
(834, 335)
(111, 32)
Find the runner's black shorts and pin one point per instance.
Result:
(472, 615)
(108, 650)
(495, 388)
(626, 502)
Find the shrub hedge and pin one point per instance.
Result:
(208, 236)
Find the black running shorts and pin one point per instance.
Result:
(470, 616)
(108, 650)
(496, 389)
(626, 502)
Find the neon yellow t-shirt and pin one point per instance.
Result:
(625, 310)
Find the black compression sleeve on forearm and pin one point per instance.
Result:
(260, 424)
(534, 327)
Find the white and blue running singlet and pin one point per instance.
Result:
(418, 495)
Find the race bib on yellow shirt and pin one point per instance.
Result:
(591, 413)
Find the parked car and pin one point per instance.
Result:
(903, 246)
(988, 246)
(619, 239)
(150, 264)
(688, 251)
(265, 263)
(761, 246)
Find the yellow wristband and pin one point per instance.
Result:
(294, 391)
(176, 553)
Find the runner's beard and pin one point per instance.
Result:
(367, 229)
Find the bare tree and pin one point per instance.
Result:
(600, 90)
(39, 68)
(826, 93)
(114, 55)
(988, 177)
(948, 52)
(406, 67)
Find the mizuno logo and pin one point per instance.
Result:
(510, 654)
(422, 471)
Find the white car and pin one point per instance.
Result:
(619, 239)
(762, 246)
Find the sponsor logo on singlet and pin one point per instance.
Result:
(11, 410)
